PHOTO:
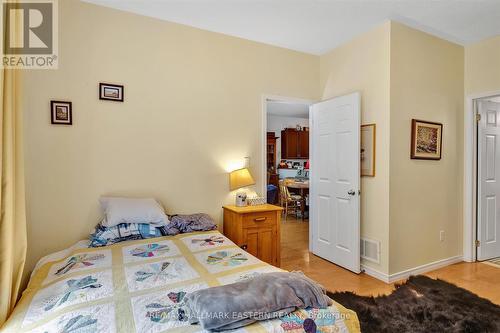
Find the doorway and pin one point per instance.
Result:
(312, 161)
(487, 178)
(287, 156)
(286, 137)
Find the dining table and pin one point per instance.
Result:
(302, 185)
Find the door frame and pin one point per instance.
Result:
(470, 175)
(263, 145)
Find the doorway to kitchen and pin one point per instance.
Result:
(287, 156)
(286, 163)
(312, 163)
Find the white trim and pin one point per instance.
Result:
(432, 266)
(469, 220)
(311, 189)
(375, 273)
(264, 99)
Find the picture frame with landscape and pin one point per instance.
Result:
(426, 140)
(61, 113)
(111, 92)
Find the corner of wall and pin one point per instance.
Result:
(363, 64)
(426, 82)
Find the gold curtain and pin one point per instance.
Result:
(12, 200)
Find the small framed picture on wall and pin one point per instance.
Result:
(111, 92)
(61, 113)
(426, 140)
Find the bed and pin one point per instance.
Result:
(139, 286)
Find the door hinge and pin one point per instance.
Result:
(478, 117)
(478, 243)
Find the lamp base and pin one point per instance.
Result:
(241, 199)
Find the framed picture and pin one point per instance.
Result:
(426, 140)
(111, 92)
(61, 113)
(368, 137)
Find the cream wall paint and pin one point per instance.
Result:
(402, 74)
(427, 75)
(482, 66)
(278, 123)
(482, 78)
(192, 108)
(363, 64)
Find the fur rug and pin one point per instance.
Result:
(420, 305)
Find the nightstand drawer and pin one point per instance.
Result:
(259, 219)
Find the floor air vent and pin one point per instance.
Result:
(370, 250)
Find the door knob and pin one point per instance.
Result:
(351, 192)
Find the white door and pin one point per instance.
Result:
(334, 180)
(488, 230)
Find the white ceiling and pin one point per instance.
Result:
(317, 26)
(286, 109)
(493, 99)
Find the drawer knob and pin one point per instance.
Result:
(260, 219)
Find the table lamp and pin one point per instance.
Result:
(238, 179)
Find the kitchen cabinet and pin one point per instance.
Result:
(294, 144)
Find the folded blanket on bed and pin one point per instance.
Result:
(103, 236)
(266, 296)
(180, 224)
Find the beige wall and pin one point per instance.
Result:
(482, 76)
(363, 65)
(402, 74)
(482, 67)
(192, 108)
(427, 75)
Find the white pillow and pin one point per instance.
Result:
(132, 210)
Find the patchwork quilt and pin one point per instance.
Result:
(139, 286)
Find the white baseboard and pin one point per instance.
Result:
(376, 274)
(390, 278)
(425, 268)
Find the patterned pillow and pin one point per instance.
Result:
(103, 236)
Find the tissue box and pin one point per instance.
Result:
(256, 201)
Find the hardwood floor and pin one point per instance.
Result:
(481, 279)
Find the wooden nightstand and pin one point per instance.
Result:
(256, 229)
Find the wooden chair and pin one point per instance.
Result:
(290, 202)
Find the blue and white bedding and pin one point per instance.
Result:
(122, 232)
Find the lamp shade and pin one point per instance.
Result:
(240, 178)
